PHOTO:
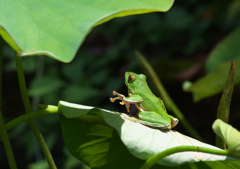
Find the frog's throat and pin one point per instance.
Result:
(129, 93)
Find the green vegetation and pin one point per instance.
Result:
(79, 51)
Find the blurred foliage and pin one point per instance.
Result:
(226, 50)
(176, 43)
(218, 64)
(215, 81)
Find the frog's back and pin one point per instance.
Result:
(150, 101)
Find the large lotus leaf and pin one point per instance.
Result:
(57, 28)
(214, 82)
(141, 141)
(228, 49)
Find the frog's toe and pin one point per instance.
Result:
(114, 99)
(174, 122)
(122, 102)
(114, 92)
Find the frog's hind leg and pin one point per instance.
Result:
(152, 119)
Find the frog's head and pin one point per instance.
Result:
(134, 80)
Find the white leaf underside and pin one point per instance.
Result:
(144, 142)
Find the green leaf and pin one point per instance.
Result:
(214, 82)
(228, 49)
(96, 145)
(224, 105)
(89, 137)
(230, 136)
(220, 164)
(57, 28)
(44, 85)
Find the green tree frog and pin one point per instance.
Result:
(152, 111)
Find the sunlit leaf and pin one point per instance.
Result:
(90, 135)
(57, 28)
(230, 135)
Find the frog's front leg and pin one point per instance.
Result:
(153, 119)
(126, 100)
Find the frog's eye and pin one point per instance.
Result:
(130, 78)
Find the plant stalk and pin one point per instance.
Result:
(26, 117)
(1, 67)
(153, 160)
(28, 109)
(7, 144)
(3, 131)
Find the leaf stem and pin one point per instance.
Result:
(25, 117)
(2, 42)
(165, 96)
(3, 131)
(153, 160)
(7, 144)
(28, 109)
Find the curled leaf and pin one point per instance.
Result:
(224, 105)
(230, 136)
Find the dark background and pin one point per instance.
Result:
(173, 42)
